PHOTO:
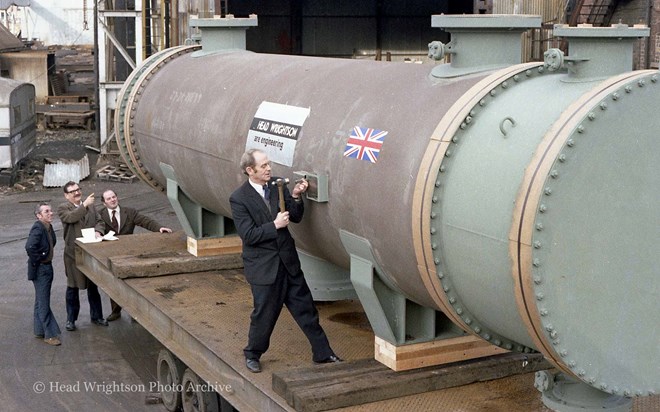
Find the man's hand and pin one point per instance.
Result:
(282, 220)
(299, 188)
(89, 200)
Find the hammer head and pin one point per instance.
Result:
(280, 182)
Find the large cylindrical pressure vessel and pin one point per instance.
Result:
(194, 113)
(521, 202)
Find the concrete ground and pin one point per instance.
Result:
(96, 368)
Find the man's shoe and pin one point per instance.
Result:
(70, 326)
(253, 365)
(54, 341)
(113, 316)
(330, 359)
(100, 322)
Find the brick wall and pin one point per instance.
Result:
(655, 35)
(646, 51)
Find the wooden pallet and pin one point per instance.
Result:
(116, 174)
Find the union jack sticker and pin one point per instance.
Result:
(365, 143)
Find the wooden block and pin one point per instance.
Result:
(214, 245)
(438, 352)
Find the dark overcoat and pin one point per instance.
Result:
(38, 247)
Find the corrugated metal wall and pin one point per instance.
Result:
(535, 42)
(550, 10)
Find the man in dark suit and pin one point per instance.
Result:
(39, 248)
(122, 221)
(271, 262)
(77, 214)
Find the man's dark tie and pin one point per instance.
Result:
(115, 224)
(266, 192)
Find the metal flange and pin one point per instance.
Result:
(128, 100)
(585, 255)
(445, 141)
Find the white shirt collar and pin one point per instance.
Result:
(110, 211)
(257, 187)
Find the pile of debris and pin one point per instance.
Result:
(60, 156)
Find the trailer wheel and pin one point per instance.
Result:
(195, 395)
(170, 372)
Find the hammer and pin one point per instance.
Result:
(280, 191)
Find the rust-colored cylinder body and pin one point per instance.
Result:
(195, 116)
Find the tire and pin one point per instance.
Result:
(170, 374)
(194, 398)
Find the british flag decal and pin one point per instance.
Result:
(364, 143)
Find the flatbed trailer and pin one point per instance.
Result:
(199, 308)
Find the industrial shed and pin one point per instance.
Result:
(17, 121)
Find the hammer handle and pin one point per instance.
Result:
(280, 191)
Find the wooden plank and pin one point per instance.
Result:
(169, 263)
(214, 246)
(64, 107)
(136, 244)
(63, 114)
(437, 352)
(289, 382)
(333, 386)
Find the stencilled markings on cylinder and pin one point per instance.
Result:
(185, 97)
(158, 125)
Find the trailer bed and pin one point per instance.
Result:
(202, 316)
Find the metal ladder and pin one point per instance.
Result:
(596, 12)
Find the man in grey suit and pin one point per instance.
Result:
(77, 214)
(270, 260)
(122, 221)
